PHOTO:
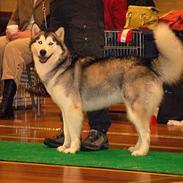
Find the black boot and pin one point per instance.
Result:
(10, 88)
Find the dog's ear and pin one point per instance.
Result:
(35, 30)
(60, 33)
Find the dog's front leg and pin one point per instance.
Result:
(67, 138)
(73, 120)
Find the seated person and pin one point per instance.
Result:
(14, 49)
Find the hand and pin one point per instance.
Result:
(17, 35)
(8, 35)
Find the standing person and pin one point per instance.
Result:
(83, 22)
(14, 49)
(115, 14)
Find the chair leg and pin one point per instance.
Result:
(36, 100)
(38, 106)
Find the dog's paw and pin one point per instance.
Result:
(138, 153)
(66, 150)
(70, 150)
(61, 148)
(131, 149)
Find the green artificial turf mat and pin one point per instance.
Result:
(161, 162)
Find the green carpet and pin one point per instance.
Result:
(161, 162)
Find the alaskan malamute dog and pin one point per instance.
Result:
(89, 84)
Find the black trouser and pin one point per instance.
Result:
(172, 103)
(99, 120)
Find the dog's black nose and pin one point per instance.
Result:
(43, 53)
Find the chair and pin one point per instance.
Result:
(35, 88)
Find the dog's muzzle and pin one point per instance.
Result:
(42, 56)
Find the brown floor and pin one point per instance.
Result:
(28, 127)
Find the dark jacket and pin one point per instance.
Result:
(23, 12)
(83, 23)
(141, 2)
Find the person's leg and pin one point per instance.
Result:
(15, 54)
(3, 42)
(99, 122)
(9, 92)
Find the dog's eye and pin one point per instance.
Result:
(40, 42)
(50, 44)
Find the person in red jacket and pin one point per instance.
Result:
(114, 14)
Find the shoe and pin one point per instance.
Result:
(7, 115)
(9, 91)
(55, 141)
(95, 141)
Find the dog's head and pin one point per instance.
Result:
(45, 45)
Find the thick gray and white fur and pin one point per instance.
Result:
(89, 84)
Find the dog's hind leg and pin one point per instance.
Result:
(137, 145)
(141, 123)
(142, 97)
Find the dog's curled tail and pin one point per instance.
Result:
(170, 61)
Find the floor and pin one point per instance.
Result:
(29, 127)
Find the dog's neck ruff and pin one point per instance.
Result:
(63, 64)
